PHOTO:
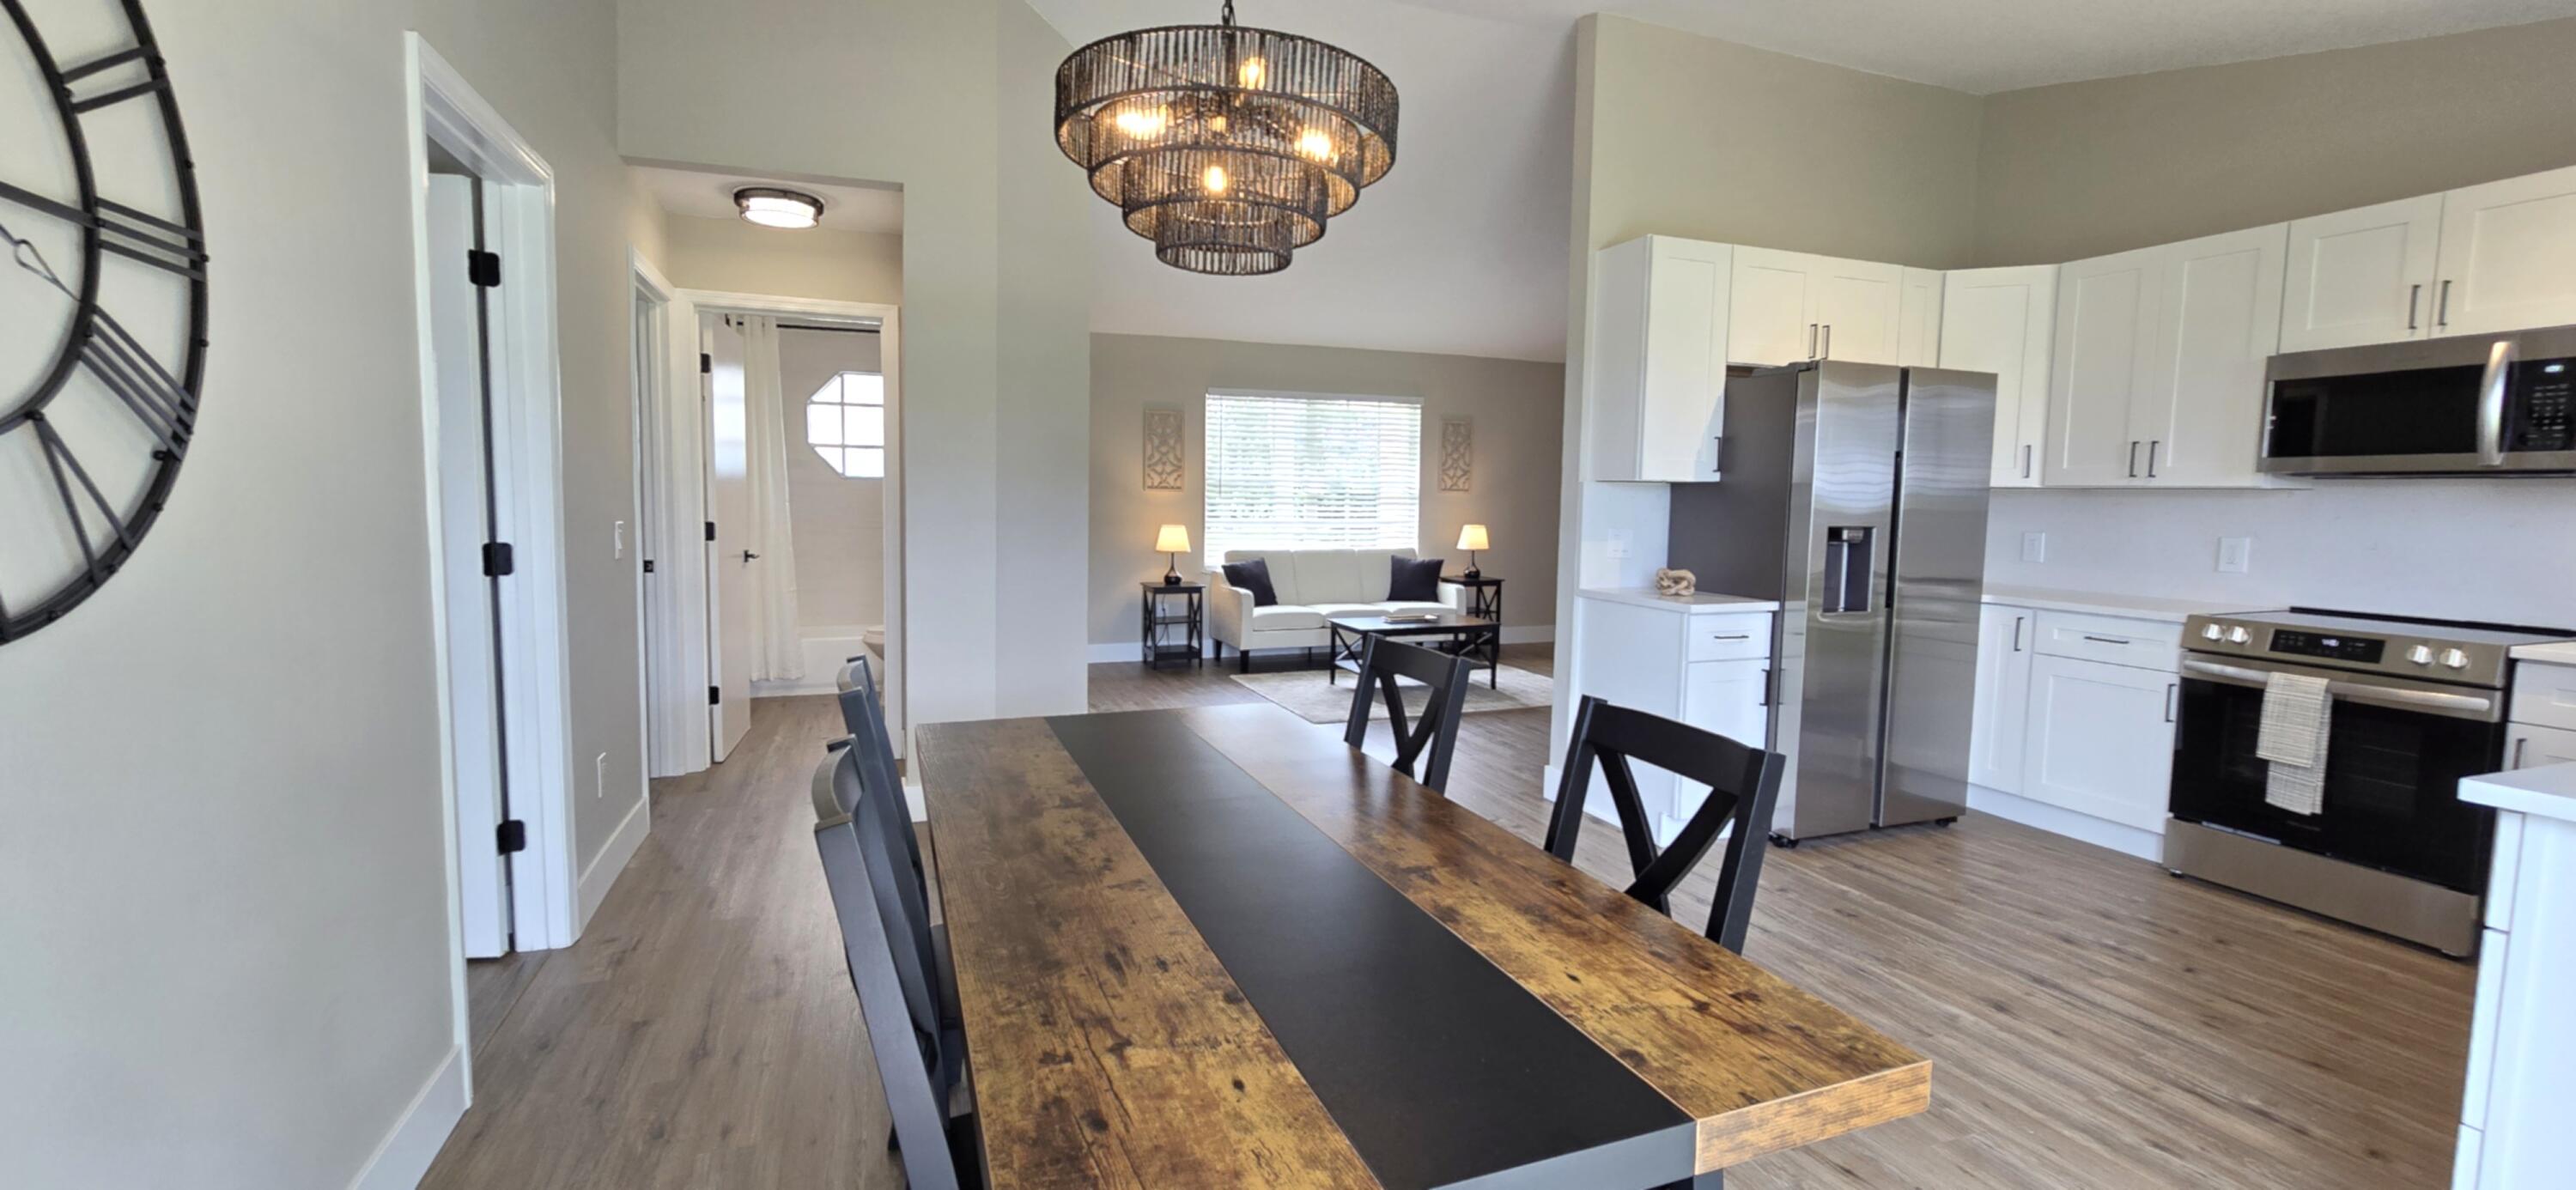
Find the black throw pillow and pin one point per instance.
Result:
(1413, 580)
(1252, 574)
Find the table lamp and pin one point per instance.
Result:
(1471, 538)
(1173, 541)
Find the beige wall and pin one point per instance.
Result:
(1513, 403)
(993, 367)
(837, 522)
(731, 256)
(2083, 169)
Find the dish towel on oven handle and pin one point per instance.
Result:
(2298, 712)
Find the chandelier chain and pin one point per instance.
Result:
(1229, 12)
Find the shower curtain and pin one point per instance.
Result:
(777, 652)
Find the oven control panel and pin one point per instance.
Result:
(2544, 392)
(2360, 650)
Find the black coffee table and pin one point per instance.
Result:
(1476, 638)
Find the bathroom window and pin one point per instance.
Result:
(845, 423)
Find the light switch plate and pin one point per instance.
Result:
(599, 776)
(2235, 554)
(2034, 547)
(617, 539)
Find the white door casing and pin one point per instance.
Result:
(728, 459)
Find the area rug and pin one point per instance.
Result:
(1306, 695)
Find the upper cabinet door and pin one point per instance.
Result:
(1771, 318)
(1685, 361)
(2106, 319)
(1999, 321)
(1918, 333)
(2362, 276)
(2508, 256)
(1858, 309)
(2200, 405)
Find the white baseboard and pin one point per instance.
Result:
(611, 860)
(1530, 634)
(2057, 820)
(403, 1159)
(799, 687)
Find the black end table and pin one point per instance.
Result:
(1484, 595)
(1474, 637)
(1172, 635)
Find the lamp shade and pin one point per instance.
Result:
(1174, 539)
(1472, 537)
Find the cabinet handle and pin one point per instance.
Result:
(2170, 689)
(1735, 636)
(2108, 640)
(2518, 746)
(2017, 633)
(2133, 458)
(2025, 460)
(1811, 340)
(1765, 698)
(2151, 457)
(2414, 294)
(1827, 352)
(2442, 305)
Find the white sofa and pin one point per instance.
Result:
(1310, 584)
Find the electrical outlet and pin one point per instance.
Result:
(1618, 547)
(2235, 554)
(2034, 547)
(599, 776)
(617, 539)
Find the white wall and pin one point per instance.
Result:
(838, 522)
(227, 930)
(731, 256)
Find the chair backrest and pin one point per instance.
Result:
(1382, 661)
(900, 904)
(912, 1097)
(1743, 783)
(864, 715)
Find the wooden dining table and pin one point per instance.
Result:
(1218, 947)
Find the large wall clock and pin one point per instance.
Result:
(102, 300)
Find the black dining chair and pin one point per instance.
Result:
(938, 1149)
(1434, 738)
(1743, 782)
(863, 714)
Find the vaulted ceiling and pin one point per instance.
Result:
(1462, 249)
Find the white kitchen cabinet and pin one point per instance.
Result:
(1918, 312)
(1731, 698)
(2508, 255)
(2002, 699)
(2158, 372)
(1704, 660)
(1791, 306)
(2362, 276)
(2099, 739)
(1658, 359)
(2000, 321)
(2530, 746)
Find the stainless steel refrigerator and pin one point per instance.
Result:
(1856, 493)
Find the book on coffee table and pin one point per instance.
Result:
(1410, 617)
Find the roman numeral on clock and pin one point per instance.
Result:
(141, 383)
(113, 95)
(67, 469)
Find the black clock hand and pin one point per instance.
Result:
(25, 254)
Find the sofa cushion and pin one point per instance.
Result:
(1332, 576)
(1346, 610)
(1285, 618)
(1252, 575)
(1283, 571)
(1415, 579)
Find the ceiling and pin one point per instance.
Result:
(708, 195)
(1463, 248)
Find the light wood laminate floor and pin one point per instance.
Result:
(2092, 1021)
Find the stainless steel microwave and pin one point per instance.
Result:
(2465, 405)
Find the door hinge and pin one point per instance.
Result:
(711, 530)
(498, 559)
(648, 566)
(706, 364)
(513, 836)
(483, 268)
(715, 696)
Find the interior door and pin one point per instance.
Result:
(1857, 308)
(2200, 407)
(2362, 276)
(728, 552)
(1770, 313)
(2508, 258)
(1998, 320)
(2106, 316)
(465, 524)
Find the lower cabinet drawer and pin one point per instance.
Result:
(2147, 644)
(1730, 638)
(2545, 695)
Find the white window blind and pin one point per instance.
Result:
(1311, 473)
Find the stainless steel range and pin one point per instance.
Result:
(2415, 706)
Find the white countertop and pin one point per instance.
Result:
(2560, 653)
(2549, 791)
(2141, 607)
(1702, 601)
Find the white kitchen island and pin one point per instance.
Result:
(2518, 1114)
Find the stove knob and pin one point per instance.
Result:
(2211, 632)
(2238, 636)
(2455, 659)
(2420, 654)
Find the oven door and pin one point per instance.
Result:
(2395, 755)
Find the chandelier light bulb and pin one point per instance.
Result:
(1313, 143)
(1253, 73)
(1142, 124)
(1214, 179)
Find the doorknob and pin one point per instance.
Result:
(749, 556)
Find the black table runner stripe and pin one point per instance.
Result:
(1441, 1069)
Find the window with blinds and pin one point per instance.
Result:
(1311, 473)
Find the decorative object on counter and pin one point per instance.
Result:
(1173, 541)
(1229, 147)
(1163, 450)
(1471, 538)
(1458, 457)
(1669, 581)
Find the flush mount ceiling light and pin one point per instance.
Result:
(1228, 147)
(770, 206)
